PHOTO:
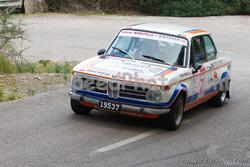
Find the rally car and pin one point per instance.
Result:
(153, 71)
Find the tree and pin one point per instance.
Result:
(11, 30)
(35, 6)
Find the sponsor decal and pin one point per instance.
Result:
(215, 64)
(215, 75)
(129, 67)
(194, 86)
(98, 72)
(154, 36)
(202, 85)
(203, 69)
(184, 74)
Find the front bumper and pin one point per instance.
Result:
(139, 111)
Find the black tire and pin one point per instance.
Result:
(219, 100)
(79, 109)
(173, 119)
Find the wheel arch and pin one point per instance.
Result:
(183, 93)
(182, 88)
(225, 81)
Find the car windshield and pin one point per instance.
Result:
(148, 46)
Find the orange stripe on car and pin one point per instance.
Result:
(166, 73)
(148, 116)
(87, 104)
(199, 101)
(197, 31)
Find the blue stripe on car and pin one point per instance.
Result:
(192, 98)
(207, 92)
(212, 89)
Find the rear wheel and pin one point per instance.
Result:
(78, 108)
(173, 119)
(220, 99)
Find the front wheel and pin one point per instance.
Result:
(78, 108)
(173, 119)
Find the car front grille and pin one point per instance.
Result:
(133, 92)
(126, 91)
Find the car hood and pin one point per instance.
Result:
(126, 69)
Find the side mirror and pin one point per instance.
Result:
(196, 68)
(101, 52)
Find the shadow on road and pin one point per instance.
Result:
(106, 119)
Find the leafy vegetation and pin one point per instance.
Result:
(155, 7)
(1, 94)
(11, 30)
(6, 67)
(11, 60)
(195, 7)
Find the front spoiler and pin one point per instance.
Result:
(126, 109)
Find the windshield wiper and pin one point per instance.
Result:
(156, 59)
(123, 51)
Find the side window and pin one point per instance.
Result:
(210, 48)
(198, 51)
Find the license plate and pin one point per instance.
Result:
(110, 106)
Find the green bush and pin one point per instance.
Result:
(184, 7)
(44, 62)
(5, 66)
(58, 68)
(26, 67)
(155, 7)
(109, 6)
(1, 94)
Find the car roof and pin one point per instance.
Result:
(172, 29)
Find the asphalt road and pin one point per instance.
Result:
(42, 130)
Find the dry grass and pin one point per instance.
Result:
(16, 86)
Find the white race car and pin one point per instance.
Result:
(153, 71)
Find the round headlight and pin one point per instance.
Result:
(154, 95)
(77, 82)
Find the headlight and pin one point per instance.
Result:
(154, 95)
(77, 82)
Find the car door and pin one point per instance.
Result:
(198, 56)
(203, 52)
(213, 78)
(198, 82)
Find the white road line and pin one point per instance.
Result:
(131, 140)
(128, 141)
